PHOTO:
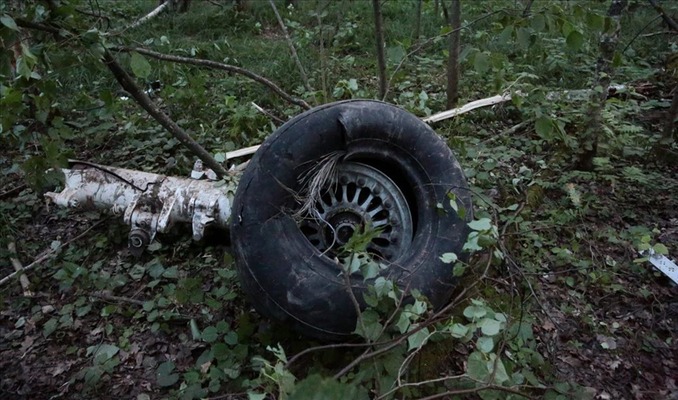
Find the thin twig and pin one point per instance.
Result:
(12, 191)
(49, 253)
(430, 40)
(120, 299)
(396, 342)
(266, 113)
(217, 65)
(639, 32)
(420, 383)
(354, 300)
(476, 390)
(507, 132)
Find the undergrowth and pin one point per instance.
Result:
(555, 302)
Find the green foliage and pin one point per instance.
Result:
(176, 317)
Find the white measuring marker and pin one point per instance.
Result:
(668, 267)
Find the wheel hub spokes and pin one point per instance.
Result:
(361, 197)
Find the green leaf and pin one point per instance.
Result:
(231, 338)
(102, 352)
(9, 22)
(403, 322)
(140, 67)
(574, 40)
(458, 270)
(489, 326)
(476, 367)
(523, 36)
(595, 21)
(210, 334)
(256, 396)
(49, 327)
(164, 376)
(481, 62)
(505, 35)
(418, 339)
(500, 374)
(544, 127)
(483, 224)
(459, 331)
(370, 320)
(659, 248)
(315, 387)
(195, 331)
(448, 258)
(538, 22)
(475, 312)
(369, 270)
(485, 344)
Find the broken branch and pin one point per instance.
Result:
(150, 15)
(147, 104)
(217, 65)
(290, 44)
(19, 268)
(49, 253)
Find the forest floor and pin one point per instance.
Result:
(613, 331)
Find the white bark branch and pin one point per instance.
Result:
(490, 101)
(19, 268)
(151, 14)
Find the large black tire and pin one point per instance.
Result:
(288, 278)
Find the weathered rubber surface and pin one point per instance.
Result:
(286, 278)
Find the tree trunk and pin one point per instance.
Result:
(381, 61)
(417, 26)
(588, 143)
(453, 60)
(668, 135)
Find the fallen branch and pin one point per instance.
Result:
(119, 299)
(13, 191)
(433, 118)
(468, 107)
(217, 65)
(128, 83)
(266, 113)
(668, 20)
(290, 44)
(242, 152)
(150, 15)
(147, 104)
(19, 268)
(49, 253)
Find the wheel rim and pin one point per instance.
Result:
(359, 196)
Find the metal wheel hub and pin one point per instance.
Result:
(361, 196)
